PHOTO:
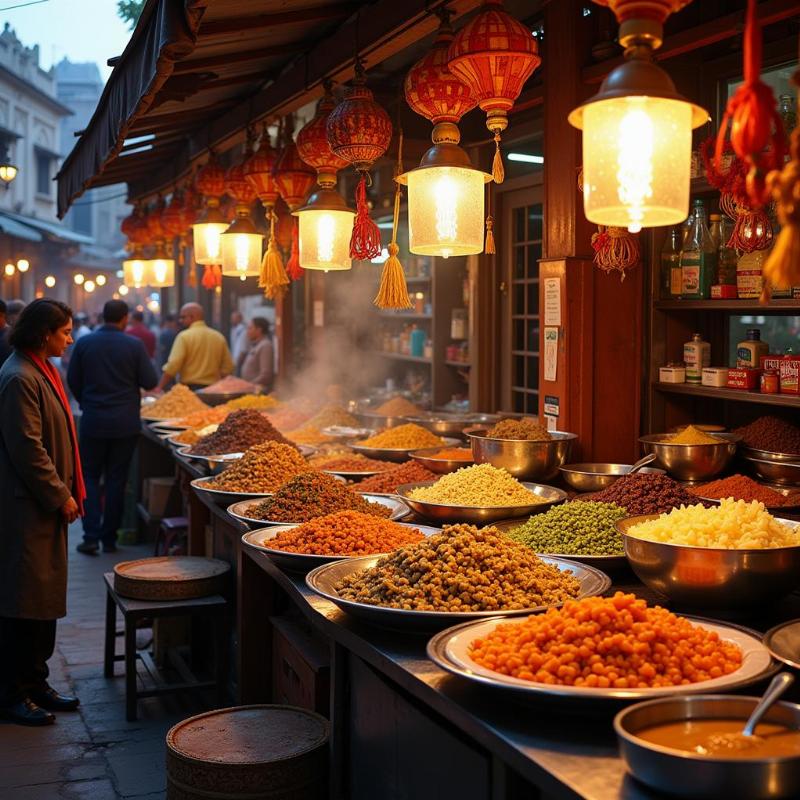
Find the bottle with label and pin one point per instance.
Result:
(749, 352)
(671, 264)
(749, 280)
(696, 355)
(727, 258)
(715, 229)
(698, 258)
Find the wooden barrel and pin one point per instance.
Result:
(170, 578)
(258, 752)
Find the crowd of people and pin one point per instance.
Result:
(53, 471)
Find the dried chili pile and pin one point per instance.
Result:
(740, 487)
(388, 481)
(646, 493)
(241, 429)
(313, 495)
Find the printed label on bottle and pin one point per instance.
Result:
(690, 274)
(675, 281)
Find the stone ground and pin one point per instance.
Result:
(92, 753)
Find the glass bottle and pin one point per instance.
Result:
(727, 258)
(715, 229)
(671, 264)
(698, 257)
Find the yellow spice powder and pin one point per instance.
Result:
(692, 435)
(404, 437)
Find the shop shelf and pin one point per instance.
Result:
(721, 393)
(742, 306)
(463, 364)
(404, 315)
(403, 357)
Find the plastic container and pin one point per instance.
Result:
(696, 355)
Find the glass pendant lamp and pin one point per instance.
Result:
(135, 271)
(241, 246)
(326, 224)
(207, 232)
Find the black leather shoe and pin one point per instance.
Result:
(26, 712)
(50, 699)
(88, 548)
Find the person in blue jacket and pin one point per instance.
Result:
(107, 370)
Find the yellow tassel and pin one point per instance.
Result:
(489, 247)
(393, 292)
(273, 278)
(498, 171)
(782, 268)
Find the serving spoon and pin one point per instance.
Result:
(779, 684)
(642, 462)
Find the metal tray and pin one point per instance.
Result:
(345, 432)
(774, 510)
(397, 453)
(166, 424)
(480, 515)
(303, 562)
(448, 650)
(323, 579)
(202, 485)
(610, 563)
(241, 510)
(220, 458)
(783, 641)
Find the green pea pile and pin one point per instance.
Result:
(577, 529)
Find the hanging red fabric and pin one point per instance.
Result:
(757, 133)
(365, 243)
(293, 268)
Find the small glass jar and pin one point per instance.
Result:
(770, 383)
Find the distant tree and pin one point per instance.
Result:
(130, 11)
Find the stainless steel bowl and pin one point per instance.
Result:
(692, 462)
(395, 453)
(787, 473)
(598, 476)
(480, 515)
(448, 424)
(523, 459)
(219, 398)
(700, 777)
(373, 421)
(724, 581)
(441, 466)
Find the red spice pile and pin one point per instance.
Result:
(772, 434)
(740, 487)
(388, 481)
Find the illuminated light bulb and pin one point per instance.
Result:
(635, 165)
(123, 290)
(241, 245)
(23, 265)
(326, 231)
(211, 235)
(161, 271)
(50, 281)
(325, 227)
(135, 272)
(446, 194)
(206, 234)
(88, 286)
(100, 280)
(10, 269)
(79, 278)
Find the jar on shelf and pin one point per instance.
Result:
(458, 323)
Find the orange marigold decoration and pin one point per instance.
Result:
(494, 54)
(615, 249)
(359, 132)
(757, 133)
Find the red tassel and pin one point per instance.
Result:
(207, 280)
(293, 268)
(365, 243)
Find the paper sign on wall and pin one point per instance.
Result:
(319, 314)
(552, 301)
(551, 412)
(550, 353)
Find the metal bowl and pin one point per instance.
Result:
(596, 477)
(448, 424)
(219, 398)
(217, 458)
(767, 455)
(441, 466)
(786, 473)
(701, 777)
(480, 515)
(373, 421)
(713, 579)
(692, 462)
(395, 453)
(323, 581)
(523, 459)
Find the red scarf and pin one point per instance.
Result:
(54, 379)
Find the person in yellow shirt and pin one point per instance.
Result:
(199, 354)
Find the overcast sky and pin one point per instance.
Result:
(81, 30)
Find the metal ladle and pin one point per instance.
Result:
(779, 684)
(642, 462)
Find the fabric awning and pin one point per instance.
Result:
(16, 229)
(53, 230)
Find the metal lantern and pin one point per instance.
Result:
(135, 273)
(294, 177)
(494, 54)
(161, 270)
(241, 241)
(637, 133)
(210, 182)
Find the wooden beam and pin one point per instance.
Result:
(717, 30)
(226, 59)
(245, 25)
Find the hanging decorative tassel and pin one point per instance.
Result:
(273, 279)
(293, 268)
(615, 249)
(498, 170)
(393, 291)
(488, 245)
(757, 133)
(365, 243)
(207, 281)
(752, 231)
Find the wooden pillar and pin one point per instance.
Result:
(597, 389)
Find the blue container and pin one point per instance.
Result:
(417, 342)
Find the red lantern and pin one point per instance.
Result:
(432, 90)
(210, 180)
(172, 216)
(284, 224)
(237, 185)
(294, 177)
(189, 212)
(155, 229)
(313, 147)
(494, 54)
(259, 171)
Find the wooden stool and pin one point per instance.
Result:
(135, 610)
(170, 529)
(262, 752)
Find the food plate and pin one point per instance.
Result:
(241, 510)
(221, 496)
(396, 453)
(480, 515)
(323, 579)
(303, 562)
(610, 563)
(783, 641)
(448, 650)
(345, 432)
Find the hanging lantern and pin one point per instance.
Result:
(284, 225)
(325, 223)
(172, 216)
(161, 270)
(241, 241)
(445, 193)
(359, 131)
(210, 182)
(494, 54)
(637, 134)
(155, 229)
(135, 272)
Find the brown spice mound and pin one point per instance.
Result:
(645, 493)
(240, 430)
(772, 434)
(521, 429)
(263, 468)
(398, 407)
(460, 569)
(740, 487)
(387, 482)
(311, 495)
(354, 463)
(345, 533)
